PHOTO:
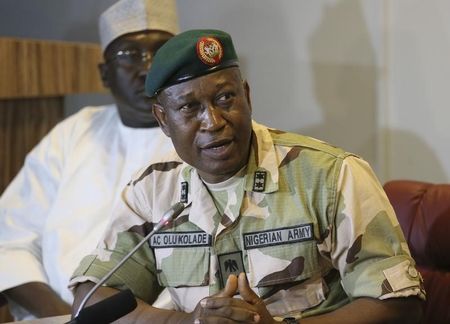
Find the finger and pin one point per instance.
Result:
(231, 287)
(253, 299)
(216, 302)
(245, 291)
(238, 314)
(212, 320)
(215, 319)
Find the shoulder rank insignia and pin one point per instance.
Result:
(259, 181)
(184, 192)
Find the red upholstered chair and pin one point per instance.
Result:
(423, 210)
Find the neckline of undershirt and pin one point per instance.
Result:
(229, 183)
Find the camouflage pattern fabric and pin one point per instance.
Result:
(311, 227)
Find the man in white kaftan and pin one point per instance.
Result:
(58, 206)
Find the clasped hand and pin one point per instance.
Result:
(223, 308)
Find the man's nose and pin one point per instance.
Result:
(144, 67)
(212, 119)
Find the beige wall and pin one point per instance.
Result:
(370, 76)
(418, 110)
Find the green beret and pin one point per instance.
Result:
(189, 55)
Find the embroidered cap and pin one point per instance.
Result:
(189, 55)
(128, 16)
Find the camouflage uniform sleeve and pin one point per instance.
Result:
(127, 228)
(369, 248)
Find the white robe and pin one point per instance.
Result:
(58, 206)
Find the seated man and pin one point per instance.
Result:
(58, 206)
(301, 230)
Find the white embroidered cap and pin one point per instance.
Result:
(127, 16)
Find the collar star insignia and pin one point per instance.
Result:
(184, 192)
(259, 181)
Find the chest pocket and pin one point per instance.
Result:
(287, 276)
(281, 255)
(182, 258)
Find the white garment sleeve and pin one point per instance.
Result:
(24, 207)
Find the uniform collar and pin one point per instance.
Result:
(202, 207)
(262, 168)
(262, 163)
(261, 177)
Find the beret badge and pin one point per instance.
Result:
(209, 50)
(189, 55)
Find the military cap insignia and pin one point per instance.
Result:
(259, 181)
(209, 50)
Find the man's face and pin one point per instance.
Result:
(127, 60)
(209, 122)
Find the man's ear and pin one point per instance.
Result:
(103, 70)
(247, 93)
(160, 116)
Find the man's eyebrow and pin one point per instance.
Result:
(231, 79)
(187, 95)
(180, 97)
(223, 82)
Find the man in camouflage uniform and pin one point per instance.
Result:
(277, 226)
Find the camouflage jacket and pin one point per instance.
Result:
(311, 227)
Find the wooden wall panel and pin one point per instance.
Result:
(23, 122)
(35, 75)
(37, 68)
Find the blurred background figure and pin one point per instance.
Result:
(59, 204)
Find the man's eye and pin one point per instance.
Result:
(127, 52)
(225, 97)
(187, 108)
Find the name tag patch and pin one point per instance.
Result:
(278, 236)
(180, 239)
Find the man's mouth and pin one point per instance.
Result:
(217, 148)
(216, 144)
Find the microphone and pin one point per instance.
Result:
(82, 315)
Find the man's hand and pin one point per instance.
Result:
(253, 299)
(223, 308)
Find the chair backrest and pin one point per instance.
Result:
(423, 211)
